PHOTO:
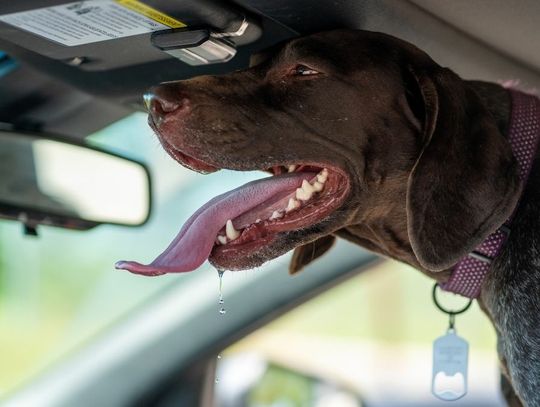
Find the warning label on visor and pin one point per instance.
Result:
(84, 22)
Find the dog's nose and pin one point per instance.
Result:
(165, 103)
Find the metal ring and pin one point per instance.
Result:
(460, 311)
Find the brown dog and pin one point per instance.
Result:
(399, 155)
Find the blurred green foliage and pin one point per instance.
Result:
(282, 387)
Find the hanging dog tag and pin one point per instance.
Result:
(450, 359)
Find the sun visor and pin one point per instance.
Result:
(98, 35)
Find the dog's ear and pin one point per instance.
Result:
(464, 183)
(303, 255)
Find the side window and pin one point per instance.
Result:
(364, 342)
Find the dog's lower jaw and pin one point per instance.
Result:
(223, 260)
(273, 246)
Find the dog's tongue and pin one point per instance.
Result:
(193, 244)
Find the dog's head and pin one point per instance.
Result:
(411, 163)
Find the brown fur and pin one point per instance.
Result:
(430, 169)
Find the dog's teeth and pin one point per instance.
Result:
(318, 186)
(292, 168)
(258, 221)
(222, 239)
(322, 176)
(306, 186)
(231, 232)
(276, 215)
(303, 195)
(293, 204)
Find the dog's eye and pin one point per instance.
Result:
(302, 70)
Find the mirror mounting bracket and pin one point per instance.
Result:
(30, 230)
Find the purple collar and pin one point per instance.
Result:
(468, 275)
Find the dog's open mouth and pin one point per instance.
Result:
(240, 222)
(314, 193)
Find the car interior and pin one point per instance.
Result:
(76, 332)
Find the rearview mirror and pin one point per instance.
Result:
(47, 180)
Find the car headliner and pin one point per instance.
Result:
(482, 40)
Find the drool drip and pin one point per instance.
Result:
(221, 302)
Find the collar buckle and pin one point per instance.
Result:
(485, 258)
(481, 257)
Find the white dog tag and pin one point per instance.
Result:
(450, 359)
